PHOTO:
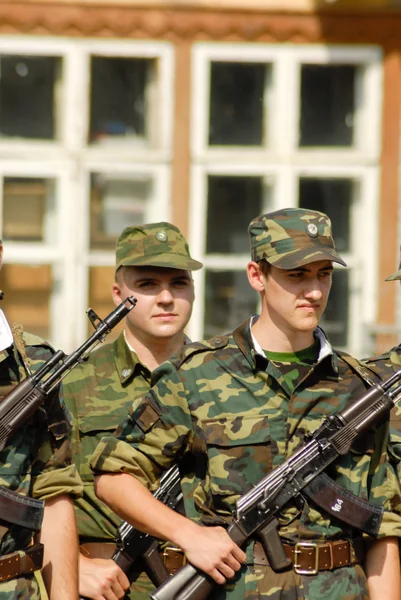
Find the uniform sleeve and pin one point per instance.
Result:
(53, 473)
(156, 433)
(385, 489)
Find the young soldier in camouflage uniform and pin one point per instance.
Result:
(237, 406)
(153, 264)
(36, 462)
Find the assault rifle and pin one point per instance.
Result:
(256, 511)
(137, 551)
(134, 547)
(28, 395)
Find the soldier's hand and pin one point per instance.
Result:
(101, 579)
(212, 550)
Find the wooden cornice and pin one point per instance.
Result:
(360, 6)
(98, 20)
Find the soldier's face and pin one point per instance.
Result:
(293, 301)
(164, 301)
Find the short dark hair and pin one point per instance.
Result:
(264, 266)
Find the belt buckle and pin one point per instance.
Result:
(167, 549)
(297, 550)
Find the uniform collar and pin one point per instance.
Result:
(253, 352)
(126, 360)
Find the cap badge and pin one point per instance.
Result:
(312, 230)
(161, 236)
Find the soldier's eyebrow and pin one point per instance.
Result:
(328, 268)
(156, 276)
(308, 269)
(182, 276)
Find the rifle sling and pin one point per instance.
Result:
(21, 510)
(344, 505)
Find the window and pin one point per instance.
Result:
(89, 124)
(278, 126)
(120, 101)
(28, 96)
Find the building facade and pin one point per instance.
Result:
(205, 114)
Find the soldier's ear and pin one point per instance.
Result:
(116, 294)
(255, 276)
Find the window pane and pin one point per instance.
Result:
(118, 102)
(335, 317)
(100, 300)
(27, 204)
(28, 86)
(229, 300)
(117, 202)
(232, 204)
(333, 197)
(236, 104)
(327, 105)
(27, 292)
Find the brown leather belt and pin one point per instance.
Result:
(310, 557)
(98, 549)
(174, 558)
(22, 562)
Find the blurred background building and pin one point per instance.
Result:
(205, 113)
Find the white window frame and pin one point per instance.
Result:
(284, 162)
(70, 160)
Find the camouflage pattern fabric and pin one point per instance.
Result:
(156, 245)
(23, 588)
(98, 393)
(396, 275)
(37, 459)
(385, 365)
(292, 237)
(226, 409)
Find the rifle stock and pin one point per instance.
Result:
(257, 508)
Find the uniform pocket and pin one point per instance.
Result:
(91, 431)
(239, 452)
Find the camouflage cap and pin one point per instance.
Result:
(154, 245)
(396, 275)
(292, 237)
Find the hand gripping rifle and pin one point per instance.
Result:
(137, 551)
(256, 511)
(134, 547)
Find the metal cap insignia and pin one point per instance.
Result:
(312, 230)
(161, 236)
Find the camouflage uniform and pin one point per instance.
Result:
(99, 392)
(226, 414)
(227, 410)
(36, 460)
(386, 364)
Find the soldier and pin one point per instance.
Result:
(238, 405)
(36, 462)
(385, 365)
(153, 264)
